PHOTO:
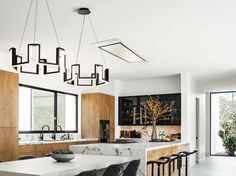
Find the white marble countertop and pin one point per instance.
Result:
(138, 145)
(56, 141)
(47, 166)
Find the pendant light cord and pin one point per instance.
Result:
(35, 22)
(26, 22)
(95, 35)
(55, 31)
(80, 39)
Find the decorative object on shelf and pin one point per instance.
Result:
(62, 155)
(100, 75)
(134, 115)
(156, 110)
(141, 115)
(33, 62)
(126, 104)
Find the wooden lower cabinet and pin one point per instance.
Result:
(8, 144)
(165, 151)
(41, 150)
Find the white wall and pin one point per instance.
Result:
(191, 90)
(144, 87)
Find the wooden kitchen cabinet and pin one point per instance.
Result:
(96, 107)
(41, 150)
(9, 83)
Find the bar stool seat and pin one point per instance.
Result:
(171, 159)
(159, 163)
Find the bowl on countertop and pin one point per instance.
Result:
(62, 155)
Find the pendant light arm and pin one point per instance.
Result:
(54, 27)
(35, 21)
(80, 40)
(95, 35)
(26, 22)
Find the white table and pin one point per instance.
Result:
(46, 166)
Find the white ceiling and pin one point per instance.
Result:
(197, 36)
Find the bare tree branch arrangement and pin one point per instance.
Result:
(156, 109)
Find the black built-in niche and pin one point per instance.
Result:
(131, 113)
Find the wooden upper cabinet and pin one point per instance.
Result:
(96, 107)
(9, 83)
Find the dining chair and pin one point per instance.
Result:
(26, 157)
(88, 173)
(113, 170)
(132, 168)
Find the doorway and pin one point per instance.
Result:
(223, 123)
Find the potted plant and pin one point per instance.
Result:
(228, 135)
(156, 110)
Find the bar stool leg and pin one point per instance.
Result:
(179, 165)
(163, 169)
(169, 169)
(158, 170)
(186, 166)
(173, 166)
(152, 169)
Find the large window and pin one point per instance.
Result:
(223, 123)
(39, 107)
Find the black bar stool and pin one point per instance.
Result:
(171, 159)
(186, 154)
(179, 162)
(159, 163)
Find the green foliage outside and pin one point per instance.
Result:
(228, 124)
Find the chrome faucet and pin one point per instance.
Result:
(41, 135)
(55, 130)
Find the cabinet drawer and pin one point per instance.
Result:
(26, 149)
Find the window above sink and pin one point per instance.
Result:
(39, 107)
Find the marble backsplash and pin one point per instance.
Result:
(47, 136)
(146, 132)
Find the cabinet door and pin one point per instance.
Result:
(112, 117)
(107, 112)
(90, 115)
(9, 99)
(8, 144)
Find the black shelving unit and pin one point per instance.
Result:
(132, 113)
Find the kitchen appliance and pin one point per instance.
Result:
(104, 131)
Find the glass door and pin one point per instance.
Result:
(223, 123)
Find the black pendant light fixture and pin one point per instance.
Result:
(34, 58)
(100, 76)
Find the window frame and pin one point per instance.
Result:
(55, 111)
(211, 93)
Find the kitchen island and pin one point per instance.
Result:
(47, 166)
(146, 151)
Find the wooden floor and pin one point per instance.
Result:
(215, 166)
